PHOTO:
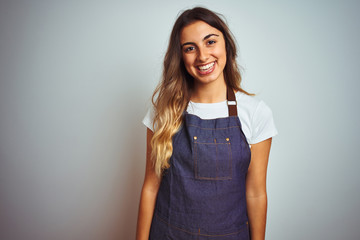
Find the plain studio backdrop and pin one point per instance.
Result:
(76, 81)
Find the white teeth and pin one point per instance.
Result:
(206, 67)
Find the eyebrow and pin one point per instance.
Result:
(206, 37)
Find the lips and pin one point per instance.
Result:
(206, 68)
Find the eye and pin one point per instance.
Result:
(210, 42)
(188, 49)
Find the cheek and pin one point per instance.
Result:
(220, 51)
(188, 62)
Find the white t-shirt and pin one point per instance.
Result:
(255, 116)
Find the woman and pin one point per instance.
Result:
(208, 141)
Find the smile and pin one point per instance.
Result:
(206, 69)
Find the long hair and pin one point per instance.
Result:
(174, 90)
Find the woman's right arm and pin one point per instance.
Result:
(148, 194)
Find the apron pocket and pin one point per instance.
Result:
(212, 159)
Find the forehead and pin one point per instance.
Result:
(196, 31)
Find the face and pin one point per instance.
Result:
(203, 52)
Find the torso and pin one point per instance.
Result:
(202, 194)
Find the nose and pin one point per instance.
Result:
(203, 55)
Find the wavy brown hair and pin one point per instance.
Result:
(172, 95)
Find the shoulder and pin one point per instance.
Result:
(249, 104)
(256, 118)
(148, 120)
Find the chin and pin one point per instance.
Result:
(206, 79)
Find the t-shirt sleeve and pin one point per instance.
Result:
(149, 118)
(263, 126)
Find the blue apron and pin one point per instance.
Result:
(202, 194)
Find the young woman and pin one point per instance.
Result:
(208, 141)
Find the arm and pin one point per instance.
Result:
(148, 194)
(256, 197)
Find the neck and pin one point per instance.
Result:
(209, 93)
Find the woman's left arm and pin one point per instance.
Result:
(256, 197)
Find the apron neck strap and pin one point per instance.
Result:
(231, 102)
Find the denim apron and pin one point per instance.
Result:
(202, 194)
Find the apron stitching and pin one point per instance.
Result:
(210, 143)
(228, 177)
(195, 159)
(198, 233)
(217, 170)
(215, 178)
(230, 156)
(191, 125)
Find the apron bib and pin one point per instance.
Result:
(202, 194)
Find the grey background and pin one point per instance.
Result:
(76, 79)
